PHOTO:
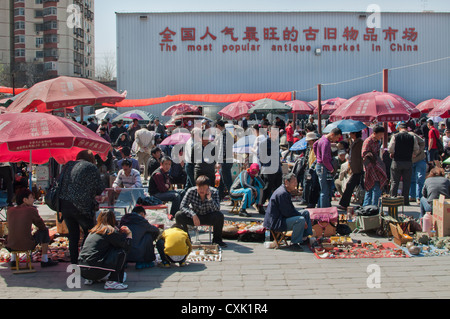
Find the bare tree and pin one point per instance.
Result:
(106, 69)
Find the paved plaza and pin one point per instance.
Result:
(250, 271)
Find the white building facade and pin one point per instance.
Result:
(161, 54)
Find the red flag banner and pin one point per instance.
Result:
(208, 98)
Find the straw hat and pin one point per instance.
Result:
(311, 136)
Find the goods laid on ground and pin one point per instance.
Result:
(202, 253)
(248, 231)
(344, 247)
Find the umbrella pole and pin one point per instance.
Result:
(30, 170)
(385, 90)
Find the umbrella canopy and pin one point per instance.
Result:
(346, 126)
(180, 108)
(300, 145)
(428, 105)
(146, 116)
(267, 106)
(236, 110)
(244, 143)
(300, 107)
(442, 109)
(106, 113)
(329, 106)
(376, 106)
(45, 136)
(64, 91)
(177, 138)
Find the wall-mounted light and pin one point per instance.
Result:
(318, 51)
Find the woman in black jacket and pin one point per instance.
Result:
(105, 251)
(80, 184)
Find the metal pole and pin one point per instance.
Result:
(319, 107)
(385, 90)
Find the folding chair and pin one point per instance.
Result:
(197, 239)
(392, 203)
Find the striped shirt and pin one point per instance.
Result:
(131, 181)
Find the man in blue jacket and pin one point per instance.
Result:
(281, 215)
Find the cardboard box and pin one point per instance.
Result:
(399, 237)
(441, 216)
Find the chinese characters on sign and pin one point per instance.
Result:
(289, 39)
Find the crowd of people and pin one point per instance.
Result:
(335, 165)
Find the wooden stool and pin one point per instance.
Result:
(24, 270)
(280, 238)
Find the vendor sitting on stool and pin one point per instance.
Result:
(20, 219)
(248, 186)
(281, 215)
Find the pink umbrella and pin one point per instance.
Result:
(301, 107)
(428, 105)
(62, 92)
(376, 106)
(36, 137)
(236, 110)
(329, 106)
(177, 138)
(180, 108)
(442, 109)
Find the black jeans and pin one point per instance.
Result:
(401, 170)
(74, 220)
(354, 181)
(271, 183)
(214, 219)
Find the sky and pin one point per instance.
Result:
(105, 18)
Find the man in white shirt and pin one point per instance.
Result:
(145, 141)
(127, 177)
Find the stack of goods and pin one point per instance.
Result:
(5, 255)
(344, 247)
(155, 217)
(57, 251)
(202, 253)
(249, 231)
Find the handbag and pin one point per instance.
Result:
(52, 196)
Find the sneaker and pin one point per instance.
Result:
(140, 265)
(164, 264)
(220, 243)
(88, 282)
(243, 213)
(49, 263)
(182, 264)
(114, 285)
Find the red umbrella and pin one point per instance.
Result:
(442, 109)
(376, 106)
(329, 106)
(301, 107)
(36, 137)
(428, 105)
(236, 110)
(63, 92)
(180, 108)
